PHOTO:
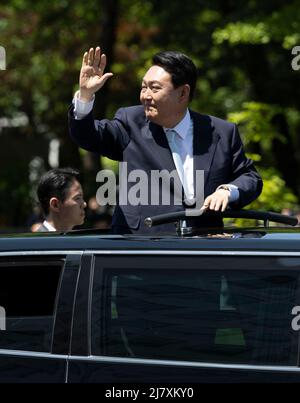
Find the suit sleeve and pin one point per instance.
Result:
(105, 137)
(244, 174)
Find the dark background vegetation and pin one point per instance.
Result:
(242, 49)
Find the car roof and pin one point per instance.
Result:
(261, 239)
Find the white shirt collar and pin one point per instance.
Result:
(182, 128)
(48, 226)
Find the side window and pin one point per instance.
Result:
(216, 315)
(27, 301)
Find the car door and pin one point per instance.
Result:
(36, 301)
(187, 317)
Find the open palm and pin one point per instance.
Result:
(92, 76)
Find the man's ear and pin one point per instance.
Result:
(185, 92)
(54, 204)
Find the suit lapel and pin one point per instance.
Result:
(205, 141)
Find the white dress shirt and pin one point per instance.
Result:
(81, 108)
(48, 226)
(184, 130)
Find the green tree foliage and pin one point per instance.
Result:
(242, 50)
(44, 43)
(260, 41)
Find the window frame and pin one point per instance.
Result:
(64, 298)
(120, 260)
(24, 261)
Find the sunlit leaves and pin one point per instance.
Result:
(255, 121)
(239, 32)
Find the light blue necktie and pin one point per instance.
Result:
(172, 137)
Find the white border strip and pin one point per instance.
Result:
(143, 361)
(32, 354)
(42, 253)
(192, 253)
(151, 252)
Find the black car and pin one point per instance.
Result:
(218, 306)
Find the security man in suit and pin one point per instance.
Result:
(61, 198)
(160, 135)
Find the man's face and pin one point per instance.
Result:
(163, 104)
(72, 209)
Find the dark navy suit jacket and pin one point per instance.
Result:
(131, 138)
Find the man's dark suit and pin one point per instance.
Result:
(130, 137)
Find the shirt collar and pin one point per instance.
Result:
(48, 226)
(182, 128)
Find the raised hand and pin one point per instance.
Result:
(92, 76)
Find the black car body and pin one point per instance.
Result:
(219, 307)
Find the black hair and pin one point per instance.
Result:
(55, 183)
(181, 67)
